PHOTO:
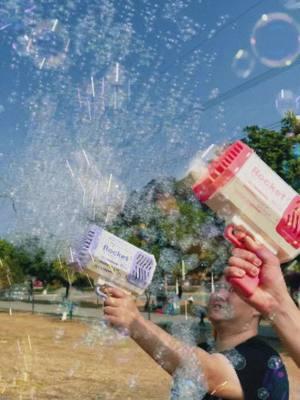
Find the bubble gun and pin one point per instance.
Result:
(111, 261)
(235, 183)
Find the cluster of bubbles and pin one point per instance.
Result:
(186, 331)
(188, 380)
(75, 192)
(274, 41)
(16, 16)
(97, 116)
(111, 91)
(99, 333)
(47, 44)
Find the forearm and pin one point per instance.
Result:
(286, 322)
(167, 351)
(208, 372)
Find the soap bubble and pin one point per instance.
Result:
(263, 394)
(275, 40)
(291, 4)
(47, 45)
(275, 362)
(133, 382)
(58, 335)
(243, 63)
(285, 101)
(236, 359)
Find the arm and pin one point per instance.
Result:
(120, 311)
(271, 297)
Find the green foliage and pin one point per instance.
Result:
(278, 150)
(165, 219)
(32, 260)
(10, 269)
(62, 272)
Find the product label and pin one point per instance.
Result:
(115, 251)
(266, 185)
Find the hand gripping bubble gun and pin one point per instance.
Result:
(111, 261)
(236, 184)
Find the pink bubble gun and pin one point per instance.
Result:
(236, 184)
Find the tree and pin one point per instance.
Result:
(279, 151)
(64, 274)
(32, 260)
(166, 219)
(10, 268)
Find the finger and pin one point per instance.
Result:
(260, 250)
(251, 243)
(116, 292)
(247, 255)
(243, 264)
(112, 311)
(113, 302)
(112, 320)
(242, 232)
(234, 272)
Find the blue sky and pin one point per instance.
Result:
(127, 81)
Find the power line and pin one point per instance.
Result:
(273, 125)
(170, 65)
(249, 84)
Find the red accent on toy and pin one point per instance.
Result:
(222, 170)
(289, 225)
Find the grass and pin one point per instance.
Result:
(43, 358)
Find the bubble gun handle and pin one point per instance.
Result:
(246, 284)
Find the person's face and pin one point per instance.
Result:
(225, 305)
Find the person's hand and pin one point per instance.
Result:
(120, 309)
(255, 259)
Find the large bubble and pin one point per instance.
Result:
(243, 63)
(275, 40)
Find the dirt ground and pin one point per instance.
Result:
(44, 358)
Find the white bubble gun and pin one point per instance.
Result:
(236, 184)
(111, 261)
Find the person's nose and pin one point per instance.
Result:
(220, 294)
